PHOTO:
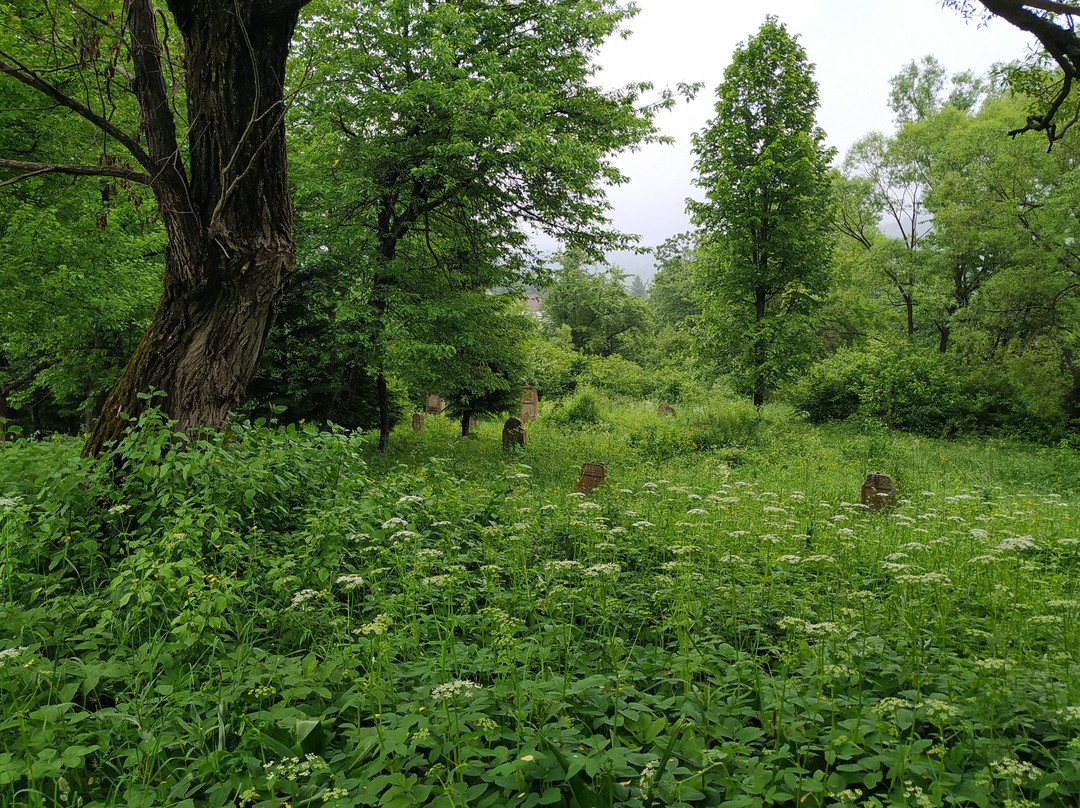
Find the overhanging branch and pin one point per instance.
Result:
(38, 169)
(23, 74)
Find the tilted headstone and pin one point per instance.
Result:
(513, 433)
(878, 492)
(418, 421)
(593, 475)
(474, 423)
(530, 403)
(665, 409)
(434, 405)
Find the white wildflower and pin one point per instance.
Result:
(351, 581)
(459, 687)
(303, 596)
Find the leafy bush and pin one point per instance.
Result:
(584, 408)
(616, 376)
(916, 389)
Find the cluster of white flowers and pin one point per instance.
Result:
(1070, 713)
(648, 775)
(939, 711)
(925, 579)
(596, 570)
(437, 580)
(1016, 771)
(380, 625)
(459, 687)
(562, 565)
(1063, 604)
(916, 796)
(410, 499)
(334, 794)
(115, 509)
(994, 664)
(848, 796)
(697, 512)
(1016, 543)
(7, 503)
(350, 581)
(642, 524)
(404, 534)
(589, 506)
(293, 768)
(10, 653)
(394, 521)
(1046, 620)
(428, 554)
(303, 596)
(889, 705)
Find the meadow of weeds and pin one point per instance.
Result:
(283, 617)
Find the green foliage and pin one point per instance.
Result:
(290, 616)
(762, 163)
(602, 316)
(917, 389)
(584, 408)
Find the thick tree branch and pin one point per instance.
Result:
(1056, 8)
(153, 96)
(37, 169)
(24, 74)
(1061, 43)
(19, 381)
(279, 6)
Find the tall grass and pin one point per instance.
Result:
(276, 617)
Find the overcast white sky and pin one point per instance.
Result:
(857, 45)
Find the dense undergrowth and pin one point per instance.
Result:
(276, 617)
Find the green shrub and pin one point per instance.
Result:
(918, 390)
(616, 376)
(734, 423)
(583, 409)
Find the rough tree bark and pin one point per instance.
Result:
(227, 212)
(230, 254)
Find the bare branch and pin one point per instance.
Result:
(37, 169)
(30, 78)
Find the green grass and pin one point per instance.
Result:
(287, 617)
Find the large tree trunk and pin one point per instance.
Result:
(230, 255)
(760, 357)
(383, 393)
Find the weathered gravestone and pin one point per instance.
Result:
(530, 403)
(878, 492)
(665, 409)
(434, 405)
(474, 423)
(418, 421)
(593, 475)
(513, 433)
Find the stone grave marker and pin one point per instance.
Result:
(665, 409)
(530, 403)
(878, 492)
(513, 433)
(593, 475)
(418, 421)
(434, 405)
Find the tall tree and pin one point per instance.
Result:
(209, 140)
(478, 117)
(762, 163)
